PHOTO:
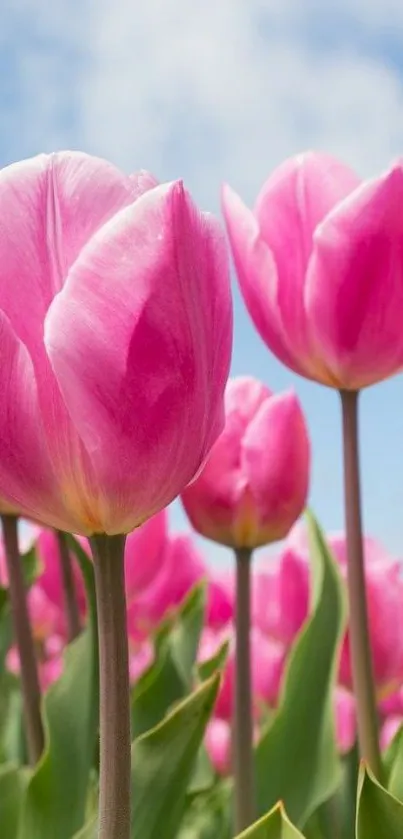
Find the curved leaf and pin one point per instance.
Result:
(273, 826)
(379, 814)
(297, 759)
(12, 785)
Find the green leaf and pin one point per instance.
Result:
(12, 785)
(56, 795)
(170, 677)
(273, 826)
(209, 815)
(89, 831)
(214, 664)
(296, 759)
(379, 814)
(162, 763)
(393, 762)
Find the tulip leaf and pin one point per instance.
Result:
(215, 663)
(12, 786)
(273, 826)
(162, 765)
(56, 795)
(89, 831)
(170, 677)
(393, 762)
(379, 814)
(209, 815)
(296, 759)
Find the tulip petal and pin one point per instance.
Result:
(149, 295)
(354, 290)
(292, 202)
(26, 481)
(257, 275)
(278, 469)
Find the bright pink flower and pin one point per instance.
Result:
(116, 322)
(255, 482)
(267, 663)
(319, 262)
(218, 744)
(144, 554)
(280, 595)
(346, 719)
(384, 585)
(220, 600)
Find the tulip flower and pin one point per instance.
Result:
(280, 595)
(346, 719)
(61, 580)
(218, 744)
(116, 331)
(251, 490)
(389, 729)
(319, 266)
(255, 482)
(144, 554)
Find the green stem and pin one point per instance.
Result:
(243, 723)
(24, 640)
(361, 656)
(69, 588)
(115, 740)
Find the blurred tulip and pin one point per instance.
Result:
(116, 330)
(319, 266)
(144, 554)
(255, 482)
(218, 745)
(280, 595)
(45, 618)
(346, 719)
(50, 579)
(140, 659)
(389, 729)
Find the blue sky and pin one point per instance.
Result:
(224, 90)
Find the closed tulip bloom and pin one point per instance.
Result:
(116, 329)
(345, 713)
(255, 482)
(143, 554)
(280, 595)
(218, 744)
(320, 268)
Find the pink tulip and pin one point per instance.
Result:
(144, 554)
(218, 745)
(220, 601)
(267, 663)
(255, 482)
(116, 324)
(319, 265)
(280, 595)
(140, 659)
(384, 585)
(346, 719)
(389, 728)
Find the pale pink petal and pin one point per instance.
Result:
(389, 730)
(27, 484)
(220, 603)
(141, 182)
(218, 745)
(354, 291)
(50, 671)
(114, 345)
(144, 553)
(275, 461)
(346, 719)
(258, 277)
(296, 197)
(50, 579)
(140, 660)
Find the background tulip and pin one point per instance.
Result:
(255, 482)
(318, 237)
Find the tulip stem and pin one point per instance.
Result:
(69, 589)
(115, 740)
(30, 689)
(361, 657)
(243, 724)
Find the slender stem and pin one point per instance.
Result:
(69, 588)
(25, 644)
(243, 724)
(361, 656)
(114, 803)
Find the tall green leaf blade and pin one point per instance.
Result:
(12, 786)
(297, 759)
(162, 764)
(56, 795)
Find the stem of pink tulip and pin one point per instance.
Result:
(361, 657)
(69, 589)
(115, 740)
(243, 724)
(31, 694)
